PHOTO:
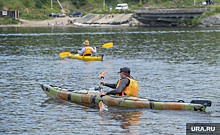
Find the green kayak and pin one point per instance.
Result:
(91, 96)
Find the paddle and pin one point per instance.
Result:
(106, 45)
(100, 102)
(64, 54)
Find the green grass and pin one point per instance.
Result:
(213, 12)
(27, 9)
(8, 20)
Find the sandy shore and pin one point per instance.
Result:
(57, 21)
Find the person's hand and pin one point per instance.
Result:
(78, 51)
(94, 48)
(102, 82)
(102, 94)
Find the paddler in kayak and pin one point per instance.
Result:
(125, 86)
(87, 50)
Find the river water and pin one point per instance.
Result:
(168, 63)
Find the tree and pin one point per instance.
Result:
(26, 3)
(9, 6)
(80, 2)
(77, 4)
(1, 4)
(38, 4)
(140, 3)
(44, 1)
(196, 20)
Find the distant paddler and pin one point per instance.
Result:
(125, 86)
(87, 50)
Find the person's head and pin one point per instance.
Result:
(124, 72)
(86, 43)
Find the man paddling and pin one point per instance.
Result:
(87, 50)
(125, 86)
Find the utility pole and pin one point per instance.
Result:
(51, 4)
(194, 3)
(60, 4)
(104, 5)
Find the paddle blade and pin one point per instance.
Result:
(108, 45)
(64, 54)
(100, 106)
(102, 74)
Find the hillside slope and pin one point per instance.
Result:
(85, 6)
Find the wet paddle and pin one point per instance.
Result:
(100, 102)
(106, 45)
(64, 54)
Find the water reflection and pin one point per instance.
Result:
(128, 119)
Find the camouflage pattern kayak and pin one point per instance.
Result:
(91, 96)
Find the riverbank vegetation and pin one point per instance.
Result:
(8, 20)
(197, 20)
(38, 9)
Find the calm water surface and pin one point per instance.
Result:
(168, 63)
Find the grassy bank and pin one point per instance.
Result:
(38, 9)
(8, 20)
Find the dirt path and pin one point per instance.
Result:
(63, 22)
(57, 21)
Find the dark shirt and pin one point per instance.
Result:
(122, 85)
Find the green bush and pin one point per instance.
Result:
(203, 15)
(77, 4)
(27, 3)
(45, 17)
(38, 16)
(14, 21)
(1, 4)
(211, 13)
(140, 3)
(38, 4)
(209, 6)
(196, 20)
(95, 11)
(83, 14)
(217, 9)
(8, 20)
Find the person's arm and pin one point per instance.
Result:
(123, 84)
(113, 86)
(94, 50)
(82, 51)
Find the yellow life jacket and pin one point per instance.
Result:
(132, 89)
(88, 51)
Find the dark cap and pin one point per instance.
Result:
(125, 70)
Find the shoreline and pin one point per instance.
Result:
(104, 25)
(211, 21)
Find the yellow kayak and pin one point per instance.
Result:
(87, 58)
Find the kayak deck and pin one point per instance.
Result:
(87, 58)
(91, 96)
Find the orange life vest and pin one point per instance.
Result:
(87, 51)
(131, 89)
